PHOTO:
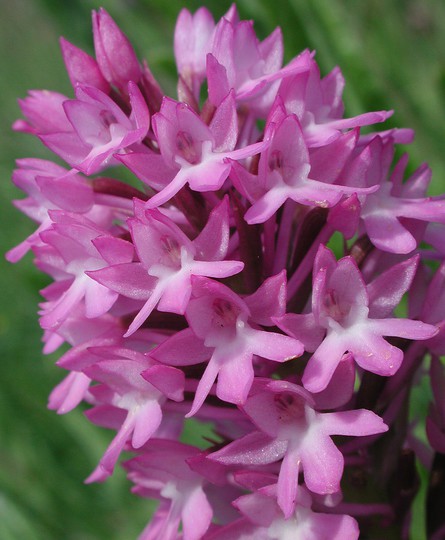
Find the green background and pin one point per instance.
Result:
(392, 53)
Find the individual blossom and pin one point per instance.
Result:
(263, 520)
(135, 385)
(98, 128)
(82, 68)
(253, 69)
(43, 110)
(71, 246)
(291, 430)
(192, 42)
(49, 187)
(167, 261)
(85, 335)
(317, 103)
(163, 471)
(197, 154)
(287, 171)
(390, 214)
(225, 332)
(347, 315)
(114, 53)
(81, 333)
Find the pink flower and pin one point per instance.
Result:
(49, 187)
(168, 260)
(289, 428)
(224, 329)
(318, 105)
(98, 128)
(69, 250)
(81, 333)
(132, 383)
(197, 153)
(82, 68)
(395, 200)
(163, 471)
(263, 520)
(44, 112)
(284, 172)
(239, 61)
(349, 316)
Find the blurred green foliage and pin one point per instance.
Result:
(392, 53)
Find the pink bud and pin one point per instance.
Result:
(114, 53)
(81, 67)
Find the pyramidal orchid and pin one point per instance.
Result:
(210, 287)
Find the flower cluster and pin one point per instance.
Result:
(211, 290)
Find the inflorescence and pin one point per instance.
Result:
(209, 287)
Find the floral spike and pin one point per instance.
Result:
(208, 289)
